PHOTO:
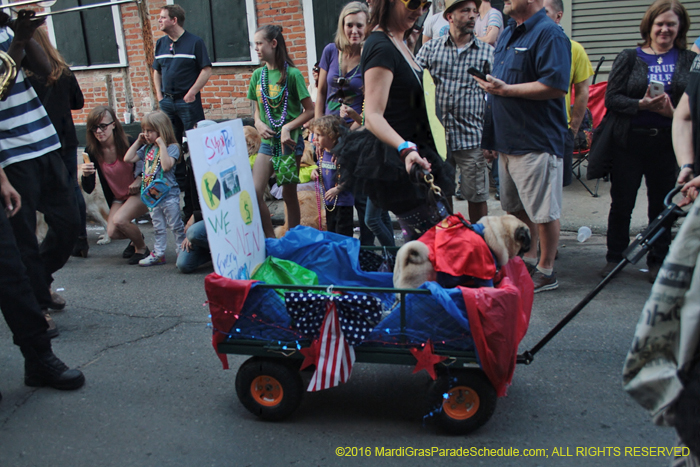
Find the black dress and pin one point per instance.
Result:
(374, 168)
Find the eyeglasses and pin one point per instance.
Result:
(102, 127)
(317, 69)
(416, 4)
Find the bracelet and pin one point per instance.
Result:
(406, 144)
(405, 152)
(688, 166)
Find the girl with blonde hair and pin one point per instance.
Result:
(157, 147)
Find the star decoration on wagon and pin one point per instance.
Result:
(427, 359)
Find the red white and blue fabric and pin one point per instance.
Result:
(357, 313)
(331, 354)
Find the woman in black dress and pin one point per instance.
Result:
(399, 133)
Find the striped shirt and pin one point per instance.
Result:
(180, 62)
(26, 131)
(459, 97)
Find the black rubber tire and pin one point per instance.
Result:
(280, 375)
(472, 384)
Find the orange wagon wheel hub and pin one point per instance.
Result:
(462, 402)
(266, 391)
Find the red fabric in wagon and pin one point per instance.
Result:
(226, 298)
(498, 319)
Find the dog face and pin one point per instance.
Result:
(252, 139)
(413, 267)
(507, 236)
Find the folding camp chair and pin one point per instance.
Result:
(596, 107)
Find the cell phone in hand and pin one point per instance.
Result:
(475, 72)
(657, 88)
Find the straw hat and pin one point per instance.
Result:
(451, 5)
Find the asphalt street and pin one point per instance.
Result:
(156, 394)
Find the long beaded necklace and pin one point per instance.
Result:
(323, 191)
(150, 170)
(282, 97)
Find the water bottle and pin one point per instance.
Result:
(584, 233)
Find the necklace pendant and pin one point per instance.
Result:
(660, 60)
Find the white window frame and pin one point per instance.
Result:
(118, 33)
(252, 26)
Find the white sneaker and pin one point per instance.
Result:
(152, 260)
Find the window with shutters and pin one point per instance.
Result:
(226, 27)
(88, 39)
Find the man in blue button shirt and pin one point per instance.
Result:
(526, 123)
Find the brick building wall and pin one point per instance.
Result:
(224, 96)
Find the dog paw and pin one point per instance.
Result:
(104, 239)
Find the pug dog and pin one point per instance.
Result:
(507, 237)
(413, 266)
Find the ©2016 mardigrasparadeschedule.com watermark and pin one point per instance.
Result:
(554, 452)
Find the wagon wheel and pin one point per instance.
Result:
(269, 388)
(465, 400)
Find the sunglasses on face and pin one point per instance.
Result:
(102, 127)
(317, 70)
(416, 4)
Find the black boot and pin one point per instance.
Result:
(43, 368)
(81, 247)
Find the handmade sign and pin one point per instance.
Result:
(226, 191)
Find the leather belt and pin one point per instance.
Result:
(174, 96)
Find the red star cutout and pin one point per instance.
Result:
(426, 359)
(310, 354)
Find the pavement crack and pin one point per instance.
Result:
(157, 333)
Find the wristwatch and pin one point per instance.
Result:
(688, 166)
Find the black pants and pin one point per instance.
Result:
(44, 186)
(339, 220)
(17, 301)
(69, 155)
(653, 158)
(366, 234)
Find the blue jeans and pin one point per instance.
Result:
(167, 215)
(199, 253)
(379, 222)
(183, 116)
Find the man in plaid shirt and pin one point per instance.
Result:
(460, 99)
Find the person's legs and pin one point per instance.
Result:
(291, 201)
(188, 261)
(474, 181)
(17, 300)
(60, 209)
(26, 321)
(549, 241)
(189, 114)
(171, 210)
(625, 178)
(119, 223)
(344, 220)
(28, 178)
(160, 231)
(568, 158)
(262, 170)
(366, 234)
(376, 221)
(660, 167)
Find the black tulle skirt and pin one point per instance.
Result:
(372, 168)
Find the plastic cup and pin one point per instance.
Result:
(584, 233)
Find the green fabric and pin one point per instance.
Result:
(286, 169)
(297, 93)
(283, 272)
(305, 173)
